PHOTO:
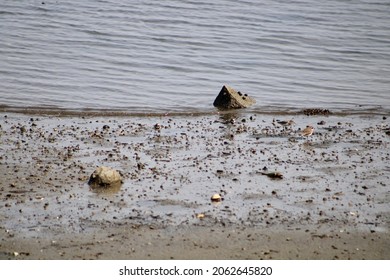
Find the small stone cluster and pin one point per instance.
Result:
(315, 111)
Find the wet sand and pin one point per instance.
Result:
(332, 201)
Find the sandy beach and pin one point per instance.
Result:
(284, 196)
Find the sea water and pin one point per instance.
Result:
(174, 56)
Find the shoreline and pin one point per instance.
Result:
(334, 190)
(188, 112)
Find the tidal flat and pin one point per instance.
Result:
(330, 200)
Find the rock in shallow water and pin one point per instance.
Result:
(229, 98)
(105, 177)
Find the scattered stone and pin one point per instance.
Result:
(229, 98)
(200, 215)
(105, 177)
(216, 198)
(273, 175)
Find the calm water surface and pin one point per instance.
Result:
(156, 56)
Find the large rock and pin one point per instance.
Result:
(105, 177)
(228, 98)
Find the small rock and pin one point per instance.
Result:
(200, 215)
(105, 177)
(273, 175)
(228, 98)
(216, 198)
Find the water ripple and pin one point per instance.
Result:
(176, 55)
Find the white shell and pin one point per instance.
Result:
(216, 198)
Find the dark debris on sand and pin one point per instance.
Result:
(315, 112)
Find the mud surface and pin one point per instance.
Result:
(332, 202)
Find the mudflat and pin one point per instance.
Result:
(283, 195)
